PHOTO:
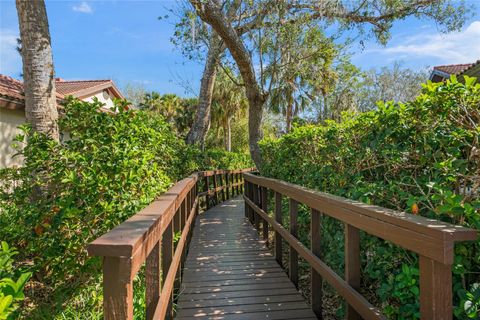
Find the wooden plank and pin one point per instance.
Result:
(278, 238)
(352, 265)
(152, 281)
(435, 290)
(298, 314)
(242, 287)
(333, 205)
(117, 289)
(236, 294)
(361, 305)
(272, 298)
(256, 200)
(264, 202)
(316, 282)
(235, 275)
(167, 256)
(293, 255)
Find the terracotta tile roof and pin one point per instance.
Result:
(71, 87)
(454, 68)
(11, 89)
(472, 66)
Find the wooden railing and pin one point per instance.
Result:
(148, 238)
(432, 240)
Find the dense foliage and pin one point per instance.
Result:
(109, 165)
(421, 157)
(12, 282)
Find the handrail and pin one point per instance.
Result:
(148, 237)
(433, 240)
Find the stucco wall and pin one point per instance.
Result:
(9, 121)
(103, 98)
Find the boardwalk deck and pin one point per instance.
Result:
(230, 274)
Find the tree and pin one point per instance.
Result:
(134, 93)
(228, 102)
(38, 72)
(379, 14)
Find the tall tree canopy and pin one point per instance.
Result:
(369, 16)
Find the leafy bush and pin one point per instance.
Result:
(11, 291)
(67, 194)
(422, 157)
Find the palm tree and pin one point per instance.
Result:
(228, 101)
(38, 72)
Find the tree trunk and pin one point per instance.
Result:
(228, 135)
(201, 122)
(38, 73)
(289, 115)
(210, 12)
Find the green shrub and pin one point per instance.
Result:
(422, 157)
(11, 291)
(68, 194)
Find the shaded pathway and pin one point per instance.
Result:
(230, 274)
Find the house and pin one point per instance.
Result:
(441, 73)
(12, 106)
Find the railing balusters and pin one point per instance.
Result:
(352, 264)
(278, 237)
(215, 186)
(293, 255)
(264, 202)
(256, 200)
(435, 290)
(207, 196)
(167, 255)
(152, 281)
(117, 288)
(316, 279)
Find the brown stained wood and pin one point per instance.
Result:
(164, 307)
(117, 289)
(278, 238)
(152, 281)
(235, 280)
(293, 255)
(435, 290)
(167, 256)
(316, 283)
(365, 308)
(352, 265)
(256, 200)
(328, 204)
(215, 187)
(207, 197)
(264, 202)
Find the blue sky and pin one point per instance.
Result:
(124, 41)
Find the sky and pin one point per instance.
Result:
(126, 42)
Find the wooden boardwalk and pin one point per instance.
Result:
(230, 274)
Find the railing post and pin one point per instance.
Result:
(215, 185)
(117, 288)
(352, 264)
(316, 279)
(435, 290)
(152, 281)
(167, 255)
(293, 255)
(256, 200)
(264, 192)
(177, 227)
(278, 238)
(227, 185)
(207, 196)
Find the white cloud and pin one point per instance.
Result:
(450, 48)
(83, 7)
(10, 59)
